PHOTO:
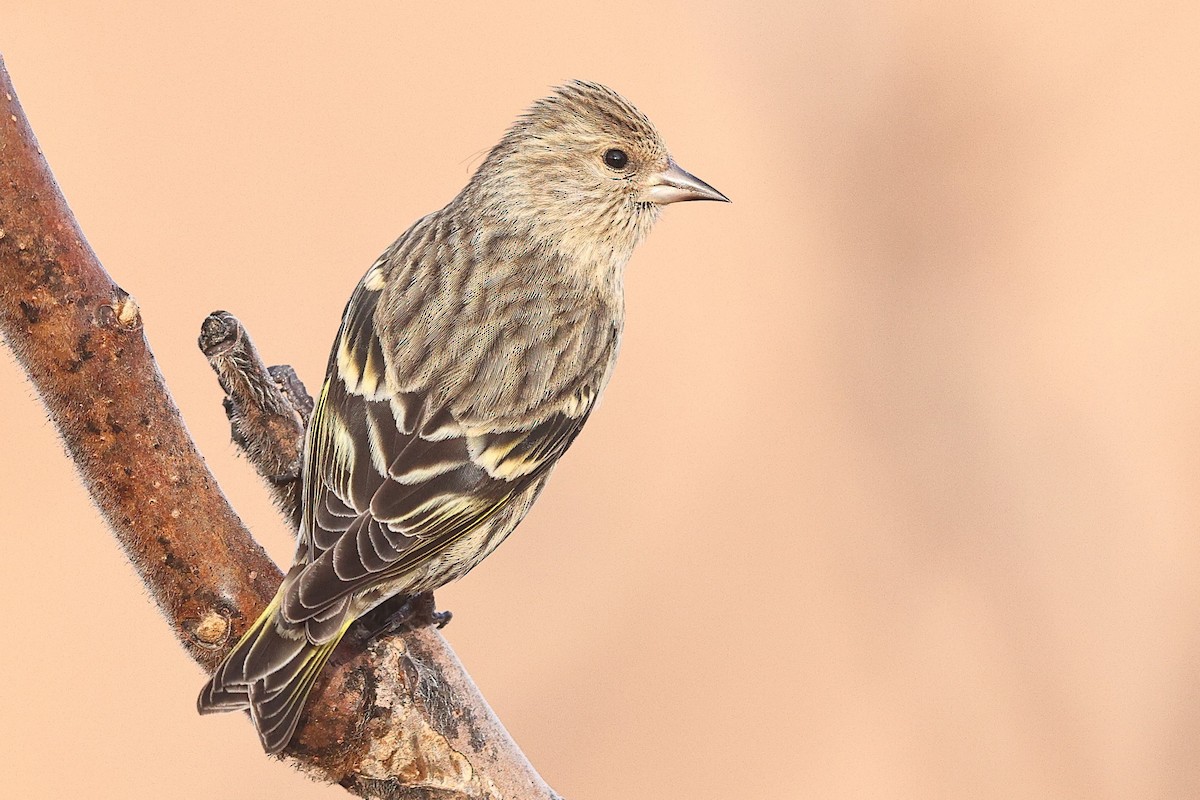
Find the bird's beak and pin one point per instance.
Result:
(675, 183)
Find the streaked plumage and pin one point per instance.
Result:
(469, 357)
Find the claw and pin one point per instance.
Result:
(417, 611)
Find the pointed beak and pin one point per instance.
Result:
(675, 184)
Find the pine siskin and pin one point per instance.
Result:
(469, 357)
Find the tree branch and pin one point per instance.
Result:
(392, 718)
(268, 408)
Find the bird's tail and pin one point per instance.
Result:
(270, 671)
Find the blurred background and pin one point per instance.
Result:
(895, 492)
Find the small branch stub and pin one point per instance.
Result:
(127, 312)
(268, 408)
(213, 629)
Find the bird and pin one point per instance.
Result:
(468, 359)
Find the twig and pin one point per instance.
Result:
(268, 408)
(398, 718)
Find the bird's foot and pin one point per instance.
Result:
(421, 610)
(405, 614)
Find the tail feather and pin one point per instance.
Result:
(228, 688)
(270, 671)
(276, 711)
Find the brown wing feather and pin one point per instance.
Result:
(391, 483)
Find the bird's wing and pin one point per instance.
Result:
(391, 483)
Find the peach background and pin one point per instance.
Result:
(896, 491)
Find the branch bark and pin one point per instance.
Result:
(390, 718)
(268, 408)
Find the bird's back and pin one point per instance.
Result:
(493, 326)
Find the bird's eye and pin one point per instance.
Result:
(616, 159)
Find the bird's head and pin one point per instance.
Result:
(585, 170)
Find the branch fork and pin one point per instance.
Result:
(393, 717)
